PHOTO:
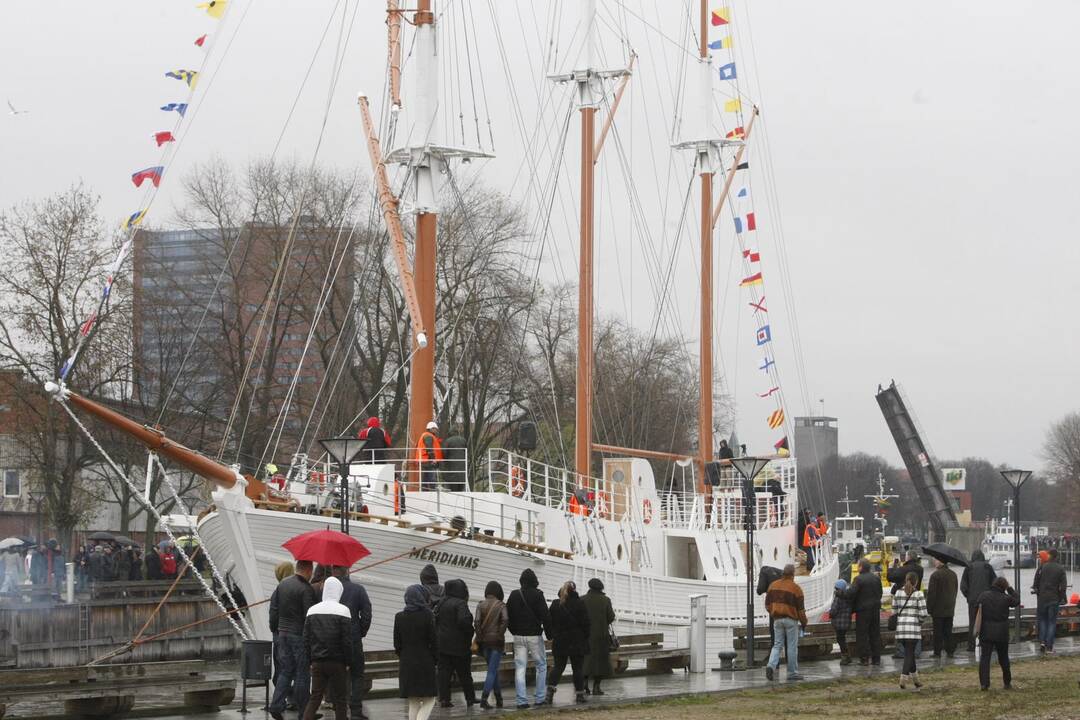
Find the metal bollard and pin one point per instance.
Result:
(69, 576)
(697, 632)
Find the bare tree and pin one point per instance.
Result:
(57, 254)
(1061, 451)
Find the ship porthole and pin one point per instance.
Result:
(618, 551)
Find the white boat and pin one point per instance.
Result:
(999, 544)
(651, 550)
(848, 528)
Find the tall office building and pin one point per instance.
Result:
(216, 309)
(816, 441)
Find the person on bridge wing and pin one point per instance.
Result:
(428, 456)
(724, 453)
(378, 440)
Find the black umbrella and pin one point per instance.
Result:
(945, 553)
(102, 535)
(123, 540)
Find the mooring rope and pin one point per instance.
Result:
(206, 551)
(137, 492)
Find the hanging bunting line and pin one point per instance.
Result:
(215, 9)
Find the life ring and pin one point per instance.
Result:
(517, 481)
(646, 511)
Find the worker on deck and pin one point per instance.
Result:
(429, 454)
(377, 441)
(811, 542)
(822, 526)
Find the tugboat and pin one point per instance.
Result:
(999, 545)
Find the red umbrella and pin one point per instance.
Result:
(326, 547)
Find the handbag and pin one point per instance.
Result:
(894, 619)
(475, 647)
(612, 639)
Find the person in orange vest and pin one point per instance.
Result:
(810, 542)
(429, 454)
(822, 526)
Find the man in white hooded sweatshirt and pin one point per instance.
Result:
(328, 639)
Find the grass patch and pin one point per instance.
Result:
(1047, 690)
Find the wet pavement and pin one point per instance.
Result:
(678, 683)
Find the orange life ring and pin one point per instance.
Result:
(517, 481)
(646, 511)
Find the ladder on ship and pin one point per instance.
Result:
(918, 461)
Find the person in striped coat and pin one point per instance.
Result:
(910, 606)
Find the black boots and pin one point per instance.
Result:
(596, 687)
(484, 702)
(550, 697)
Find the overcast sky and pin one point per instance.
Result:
(924, 172)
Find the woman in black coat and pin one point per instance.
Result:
(417, 646)
(569, 633)
(992, 627)
(454, 624)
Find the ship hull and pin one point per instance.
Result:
(246, 544)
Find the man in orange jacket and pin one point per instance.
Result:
(429, 454)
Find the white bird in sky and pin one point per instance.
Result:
(13, 111)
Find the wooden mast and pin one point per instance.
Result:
(422, 372)
(705, 409)
(583, 400)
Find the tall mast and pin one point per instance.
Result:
(422, 373)
(705, 171)
(588, 99)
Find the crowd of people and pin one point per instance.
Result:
(989, 600)
(319, 618)
(108, 561)
(37, 564)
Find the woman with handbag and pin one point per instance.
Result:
(601, 637)
(908, 620)
(490, 641)
(569, 639)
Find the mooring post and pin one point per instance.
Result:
(69, 576)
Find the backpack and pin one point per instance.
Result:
(168, 563)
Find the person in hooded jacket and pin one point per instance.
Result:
(941, 604)
(1049, 587)
(977, 578)
(416, 643)
(378, 440)
(429, 579)
(601, 615)
(864, 592)
(153, 564)
(840, 619)
(528, 619)
(569, 633)
(992, 627)
(491, 620)
(328, 644)
(354, 596)
(289, 604)
(454, 623)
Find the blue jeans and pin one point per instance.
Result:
(787, 632)
(491, 682)
(530, 647)
(1047, 615)
(295, 672)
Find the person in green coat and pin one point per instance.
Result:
(601, 615)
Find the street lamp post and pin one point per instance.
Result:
(749, 468)
(38, 497)
(1016, 479)
(342, 450)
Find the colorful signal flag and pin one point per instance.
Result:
(733, 105)
(214, 8)
(754, 279)
(727, 72)
(188, 76)
(751, 255)
(764, 367)
(721, 16)
(134, 219)
(723, 43)
(764, 335)
(153, 174)
(737, 134)
(782, 448)
(178, 107)
(769, 393)
(200, 40)
(749, 224)
(163, 137)
(776, 419)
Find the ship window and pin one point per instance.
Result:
(618, 476)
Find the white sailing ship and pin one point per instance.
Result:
(652, 548)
